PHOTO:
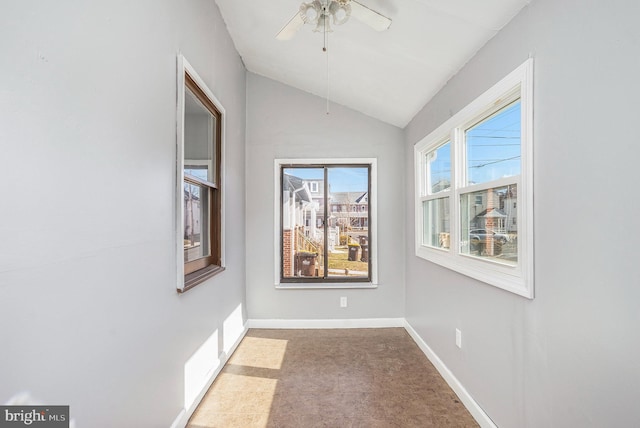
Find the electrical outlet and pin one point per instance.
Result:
(458, 338)
(343, 302)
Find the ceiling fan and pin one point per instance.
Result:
(321, 12)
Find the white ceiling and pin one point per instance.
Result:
(389, 75)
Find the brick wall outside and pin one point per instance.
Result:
(287, 253)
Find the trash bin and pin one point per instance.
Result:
(365, 253)
(306, 264)
(354, 252)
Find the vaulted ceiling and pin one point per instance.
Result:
(389, 75)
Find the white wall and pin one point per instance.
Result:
(283, 122)
(569, 358)
(89, 311)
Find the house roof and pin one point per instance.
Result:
(296, 185)
(348, 197)
(492, 213)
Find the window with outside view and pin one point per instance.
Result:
(474, 187)
(493, 153)
(324, 217)
(199, 207)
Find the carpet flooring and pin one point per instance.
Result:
(342, 378)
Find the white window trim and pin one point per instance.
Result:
(519, 279)
(373, 250)
(185, 67)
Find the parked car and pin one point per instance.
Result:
(481, 236)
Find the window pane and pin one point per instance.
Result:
(438, 163)
(199, 139)
(348, 237)
(201, 172)
(196, 222)
(490, 229)
(493, 146)
(302, 223)
(436, 223)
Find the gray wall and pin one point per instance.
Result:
(89, 311)
(283, 122)
(570, 357)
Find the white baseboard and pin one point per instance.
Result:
(327, 323)
(472, 406)
(183, 417)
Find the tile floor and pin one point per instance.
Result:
(344, 378)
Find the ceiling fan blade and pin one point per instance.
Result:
(373, 19)
(291, 28)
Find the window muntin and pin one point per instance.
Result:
(325, 237)
(200, 141)
(491, 203)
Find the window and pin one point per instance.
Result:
(199, 208)
(474, 196)
(314, 187)
(323, 238)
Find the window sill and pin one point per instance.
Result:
(510, 278)
(325, 285)
(200, 276)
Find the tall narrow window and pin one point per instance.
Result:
(435, 198)
(200, 177)
(325, 234)
(474, 188)
(493, 153)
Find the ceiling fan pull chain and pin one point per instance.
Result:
(326, 50)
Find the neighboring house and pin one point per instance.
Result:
(297, 201)
(298, 210)
(192, 219)
(497, 211)
(509, 208)
(349, 210)
(314, 225)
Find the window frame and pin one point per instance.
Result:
(518, 85)
(190, 274)
(321, 283)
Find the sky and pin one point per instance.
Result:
(493, 149)
(341, 179)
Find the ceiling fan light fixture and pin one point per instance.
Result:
(320, 12)
(311, 12)
(340, 12)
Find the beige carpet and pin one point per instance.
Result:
(329, 378)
